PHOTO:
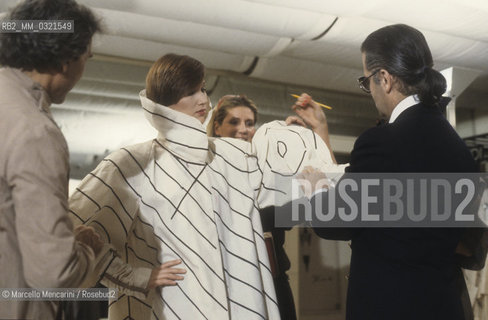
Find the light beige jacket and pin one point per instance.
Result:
(37, 247)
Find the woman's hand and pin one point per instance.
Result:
(165, 275)
(90, 237)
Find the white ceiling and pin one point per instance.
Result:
(307, 42)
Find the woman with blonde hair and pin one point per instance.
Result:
(234, 116)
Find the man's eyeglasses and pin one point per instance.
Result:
(364, 82)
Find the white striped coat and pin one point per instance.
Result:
(186, 196)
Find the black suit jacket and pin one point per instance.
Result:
(401, 273)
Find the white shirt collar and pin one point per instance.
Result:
(402, 106)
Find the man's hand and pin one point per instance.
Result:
(165, 275)
(294, 120)
(90, 237)
(311, 180)
(311, 113)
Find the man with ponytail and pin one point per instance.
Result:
(398, 67)
(404, 273)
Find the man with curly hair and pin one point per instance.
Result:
(38, 248)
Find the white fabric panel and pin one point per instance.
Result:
(456, 17)
(352, 31)
(324, 52)
(476, 4)
(279, 47)
(236, 14)
(459, 52)
(307, 73)
(151, 51)
(340, 46)
(188, 34)
(459, 19)
(455, 30)
(342, 8)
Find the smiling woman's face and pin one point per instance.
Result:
(238, 123)
(194, 105)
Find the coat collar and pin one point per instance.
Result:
(179, 133)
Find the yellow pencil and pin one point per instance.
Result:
(320, 104)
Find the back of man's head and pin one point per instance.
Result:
(47, 51)
(404, 53)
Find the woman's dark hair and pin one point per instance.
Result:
(228, 102)
(47, 51)
(404, 53)
(173, 77)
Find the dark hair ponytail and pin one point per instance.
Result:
(404, 53)
(432, 87)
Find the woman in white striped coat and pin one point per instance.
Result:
(183, 197)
